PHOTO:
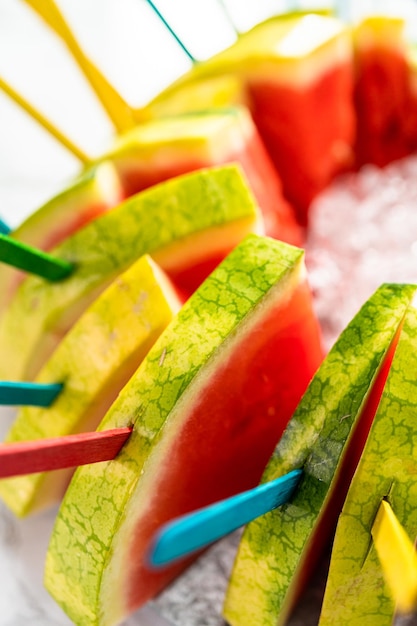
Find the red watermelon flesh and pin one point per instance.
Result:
(88, 197)
(199, 436)
(382, 102)
(276, 362)
(327, 523)
(307, 146)
(166, 148)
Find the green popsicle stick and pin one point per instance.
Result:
(32, 260)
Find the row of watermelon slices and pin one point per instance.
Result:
(40, 315)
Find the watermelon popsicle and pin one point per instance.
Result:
(292, 67)
(188, 222)
(261, 284)
(115, 333)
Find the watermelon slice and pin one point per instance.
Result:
(165, 148)
(298, 74)
(356, 592)
(94, 361)
(92, 194)
(279, 550)
(190, 221)
(382, 91)
(198, 435)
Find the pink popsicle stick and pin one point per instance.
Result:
(43, 455)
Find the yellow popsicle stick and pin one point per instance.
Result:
(44, 122)
(398, 558)
(117, 109)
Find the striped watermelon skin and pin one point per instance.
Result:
(198, 434)
(279, 550)
(356, 591)
(179, 223)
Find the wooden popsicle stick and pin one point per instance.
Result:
(193, 531)
(44, 455)
(115, 106)
(33, 260)
(173, 33)
(44, 122)
(398, 558)
(28, 394)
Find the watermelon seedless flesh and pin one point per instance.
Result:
(293, 68)
(383, 93)
(207, 406)
(91, 195)
(94, 361)
(356, 592)
(189, 222)
(165, 148)
(325, 437)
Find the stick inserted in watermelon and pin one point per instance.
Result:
(28, 394)
(24, 257)
(94, 361)
(198, 435)
(117, 109)
(356, 590)
(398, 557)
(91, 195)
(189, 222)
(324, 437)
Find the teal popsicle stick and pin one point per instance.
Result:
(194, 531)
(173, 33)
(32, 260)
(4, 228)
(28, 394)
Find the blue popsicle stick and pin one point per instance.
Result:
(33, 260)
(196, 530)
(173, 33)
(28, 394)
(4, 228)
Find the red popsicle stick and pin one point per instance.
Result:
(43, 455)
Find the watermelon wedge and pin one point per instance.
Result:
(356, 592)
(190, 221)
(91, 195)
(297, 71)
(382, 90)
(324, 437)
(165, 148)
(198, 435)
(94, 361)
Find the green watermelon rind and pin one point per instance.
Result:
(195, 204)
(356, 591)
(95, 511)
(273, 547)
(96, 357)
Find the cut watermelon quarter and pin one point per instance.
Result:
(356, 592)
(188, 222)
(94, 361)
(161, 149)
(297, 72)
(207, 406)
(325, 437)
(383, 99)
(94, 193)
